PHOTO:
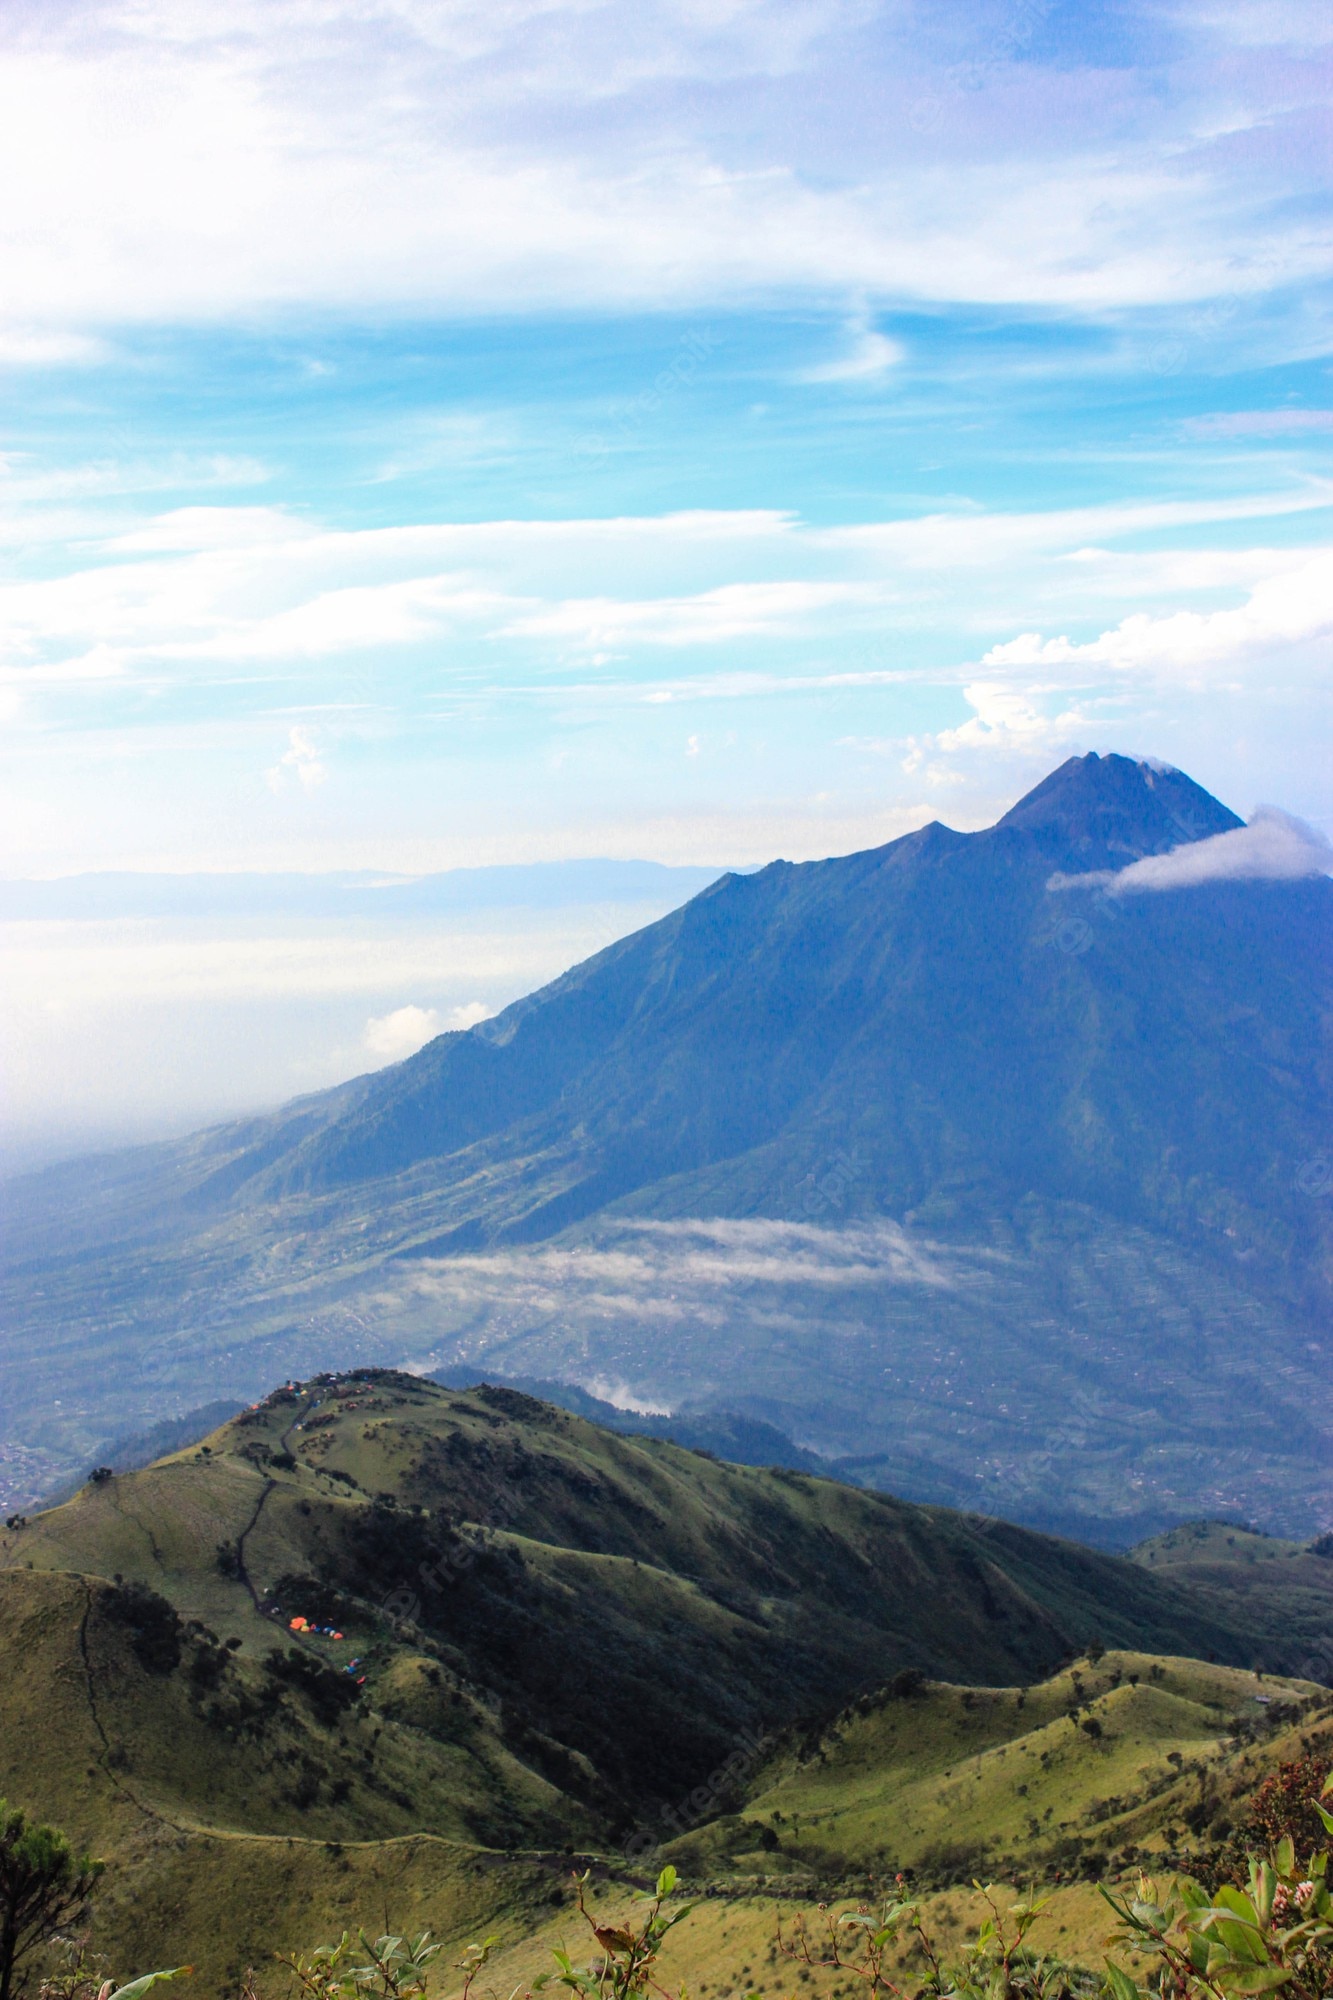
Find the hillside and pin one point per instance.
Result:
(1273, 1586)
(1002, 1191)
(449, 1535)
(1115, 1762)
(558, 1637)
(213, 1855)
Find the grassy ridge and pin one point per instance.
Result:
(212, 1860)
(1110, 1761)
(1280, 1589)
(557, 1638)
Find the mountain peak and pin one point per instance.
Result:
(1125, 806)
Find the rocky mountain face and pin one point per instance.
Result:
(1006, 1189)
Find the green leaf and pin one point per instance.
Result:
(137, 1987)
(1121, 1985)
(1236, 1903)
(666, 1881)
(1259, 1979)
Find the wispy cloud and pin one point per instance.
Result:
(255, 584)
(709, 618)
(869, 357)
(1293, 422)
(454, 158)
(48, 348)
(1273, 847)
(669, 1270)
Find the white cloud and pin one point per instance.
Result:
(392, 1037)
(401, 1033)
(671, 1271)
(468, 1015)
(1008, 717)
(708, 618)
(621, 1397)
(48, 348)
(256, 585)
(1292, 608)
(458, 158)
(1274, 847)
(869, 357)
(1292, 422)
(300, 760)
(1006, 721)
(385, 648)
(977, 538)
(201, 530)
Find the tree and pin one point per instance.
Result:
(43, 1886)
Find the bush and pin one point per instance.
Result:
(905, 1684)
(328, 1693)
(43, 1885)
(1285, 1807)
(153, 1625)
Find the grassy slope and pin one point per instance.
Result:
(244, 1813)
(212, 1860)
(960, 1778)
(202, 1871)
(674, 1582)
(1278, 1588)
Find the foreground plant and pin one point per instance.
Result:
(1191, 1943)
(82, 1976)
(390, 1968)
(44, 1886)
(894, 1955)
(1230, 1943)
(623, 1969)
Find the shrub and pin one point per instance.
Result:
(153, 1625)
(43, 1885)
(1285, 1807)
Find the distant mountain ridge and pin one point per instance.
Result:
(1078, 1136)
(345, 893)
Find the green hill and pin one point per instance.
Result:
(195, 1780)
(542, 1638)
(626, 1606)
(1114, 1761)
(1279, 1589)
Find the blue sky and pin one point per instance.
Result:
(435, 433)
